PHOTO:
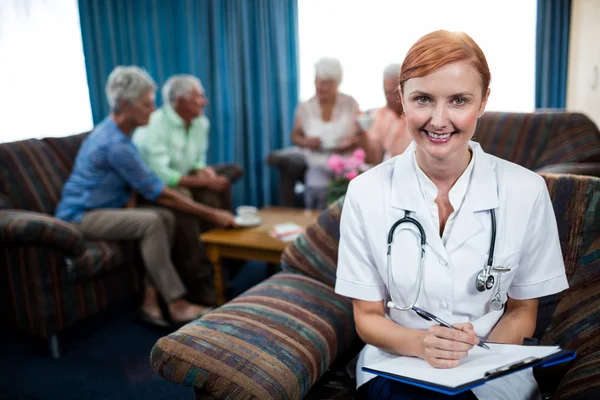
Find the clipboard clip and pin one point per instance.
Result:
(509, 367)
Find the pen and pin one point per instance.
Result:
(430, 317)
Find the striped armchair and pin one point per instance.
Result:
(543, 141)
(285, 337)
(51, 277)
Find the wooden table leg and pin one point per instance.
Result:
(212, 251)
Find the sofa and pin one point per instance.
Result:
(292, 337)
(51, 277)
(544, 141)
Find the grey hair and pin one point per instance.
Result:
(127, 83)
(179, 86)
(392, 71)
(329, 68)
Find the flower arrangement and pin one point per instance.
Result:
(344, 170)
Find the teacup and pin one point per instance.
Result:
(247, 213)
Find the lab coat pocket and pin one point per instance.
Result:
(504, 268)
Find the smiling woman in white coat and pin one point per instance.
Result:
(459, 195)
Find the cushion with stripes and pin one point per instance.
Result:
(315, 253)
(272, 342)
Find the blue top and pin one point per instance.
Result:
(107, 168)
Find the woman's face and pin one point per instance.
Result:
(139, 111)
(442, 109)
(326, 88)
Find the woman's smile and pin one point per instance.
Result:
(439, 137)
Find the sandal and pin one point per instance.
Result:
(154, 321)
(164, 308)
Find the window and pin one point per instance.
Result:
(366, 36)
(42, 71)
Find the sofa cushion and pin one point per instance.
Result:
(572, 316)
(66, 148)
(576, 201)
(535, 140)
(272, 342)
(31, 175)
(5, 202)
(101, 257)
(314, 253)
(582, 382)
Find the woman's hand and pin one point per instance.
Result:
(313, 143)
(444, 347)
(349, 143)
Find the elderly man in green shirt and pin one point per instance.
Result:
(174, 145)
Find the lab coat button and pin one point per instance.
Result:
(443, 305)
(443, 262)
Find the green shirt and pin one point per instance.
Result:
(168, 148)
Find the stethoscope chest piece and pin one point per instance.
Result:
(485, 281)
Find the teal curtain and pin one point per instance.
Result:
(552, 53)
(244, 51)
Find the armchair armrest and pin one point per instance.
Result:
(272, 342)
(291, 165)
(27, 228)
(591, 169)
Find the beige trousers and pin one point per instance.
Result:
(154, 227)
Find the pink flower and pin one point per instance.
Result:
(359, 154)
(351, 174)
(353, 163)
(336, 163)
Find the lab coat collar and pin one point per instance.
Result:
(482, 195)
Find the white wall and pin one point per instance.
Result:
(583, 81)
(42, 70)
(367, 35)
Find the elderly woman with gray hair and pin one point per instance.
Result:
(108, 170)
(324, 125)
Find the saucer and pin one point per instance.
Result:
(248, 222)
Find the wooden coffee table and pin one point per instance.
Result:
(251, 243)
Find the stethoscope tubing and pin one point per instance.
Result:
(423, 239)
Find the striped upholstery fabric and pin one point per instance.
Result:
(43, 298)
(576, 320)
(100, 257)
(5, 202)
(51, 277)
(535, 140)
(30, 175)
(272, 342)
(65, 148)
(315, 253)
(30, 228)
(582, 380)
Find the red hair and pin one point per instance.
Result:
(439, 48)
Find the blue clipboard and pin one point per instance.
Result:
(552, 359)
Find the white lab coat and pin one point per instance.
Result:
(526, 241)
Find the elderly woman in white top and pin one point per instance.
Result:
(324, 125)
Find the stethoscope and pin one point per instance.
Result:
(484, 280)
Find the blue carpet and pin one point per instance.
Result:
(107, 357)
